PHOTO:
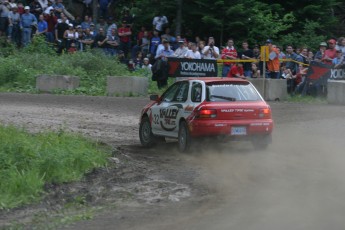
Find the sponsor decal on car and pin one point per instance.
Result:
(237, 110)
(168, 118)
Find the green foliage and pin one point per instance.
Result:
(251, 20)
(309, 37)
(18, 72)
(28, 161)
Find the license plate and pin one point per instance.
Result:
(239, 130)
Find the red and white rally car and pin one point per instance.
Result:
(207, 107)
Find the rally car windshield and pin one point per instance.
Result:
(219, 92)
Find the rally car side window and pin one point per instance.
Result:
(182, 93)
(196, 92)
(169, 95)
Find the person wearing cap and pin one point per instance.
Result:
(69, 36)
(320, 52)
(93, 29)
(162, 57)
(27, 21)
(14, 26)
(330, 53)
(181, 51)
(4, 11)
(273, 64)
(125, 33)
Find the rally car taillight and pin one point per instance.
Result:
(207, 113)
(265, 113)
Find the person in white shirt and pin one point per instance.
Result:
(193, 53)
(159, 22)
(181, 51)
(210, 51)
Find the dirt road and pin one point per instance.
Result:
(298, 183)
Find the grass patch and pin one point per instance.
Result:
(307, 99)
(27, 162)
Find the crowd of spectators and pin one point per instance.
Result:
(50, 19)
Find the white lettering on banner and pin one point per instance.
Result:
(193, 74)
(198, 66)
(337, 73)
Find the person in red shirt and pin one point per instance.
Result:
(329, 53)
(125, 33)
(51, 20)
(236, 71)
(228, 53)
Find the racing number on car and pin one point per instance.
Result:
(156, 119)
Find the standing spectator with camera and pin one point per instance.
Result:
(51, 20)
(210, 51)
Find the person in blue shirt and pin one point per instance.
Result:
(42, 26)
(27, 21)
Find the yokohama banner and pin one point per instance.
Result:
(320, 72)
(183, 67)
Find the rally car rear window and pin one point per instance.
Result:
(219, 92)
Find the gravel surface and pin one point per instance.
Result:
(297, 183)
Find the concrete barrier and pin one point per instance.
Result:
(126, 86)
(336, 92)
(275, 89)
(49, 83)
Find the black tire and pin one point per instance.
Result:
(184, 138)
(261, 142)
(146, 136)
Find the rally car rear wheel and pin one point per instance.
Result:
(184, 139)
(145, 133)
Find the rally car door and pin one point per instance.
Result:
(167, 113)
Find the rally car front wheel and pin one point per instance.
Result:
(146, 136)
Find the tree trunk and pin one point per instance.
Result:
(178, 17)
(95, 11)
